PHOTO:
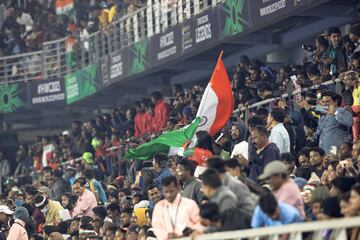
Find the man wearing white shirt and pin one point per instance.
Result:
(279, 135)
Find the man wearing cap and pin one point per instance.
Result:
(86, 199)
(5, 215)
(17, 230)
(284, 189)
(88, 158)
(51, 209)
(354, 35)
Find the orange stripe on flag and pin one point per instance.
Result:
(220, 84)
(63, 3)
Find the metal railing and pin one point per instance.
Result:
(62, 56)
(338, 229)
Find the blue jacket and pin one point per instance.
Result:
(333, 130)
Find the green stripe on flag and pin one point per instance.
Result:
(162, 144)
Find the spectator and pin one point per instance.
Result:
(161, 110)
(160, 163)
(95, 186)
(333, 127)
(59, 187)
(316, 160)
(270, 212)
(290, 163)
(336, 51)
(86, 199)
(51, 209)
(355, 35)
(17, 230)
(5, 216)
(279, 134)
(265, 152)
(284, 189)
(185, 212)
(191, 187)
(153, 195)
(4, 166)
(114, 211)
(125, 217)
(230, 220)
(245, 200)
(216, 192)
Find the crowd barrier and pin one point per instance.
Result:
(338, 227)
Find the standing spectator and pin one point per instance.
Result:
(333, 128)
(17, 230)
(216, 192)
(59, 187)
(355, 36)
(50, 209)
(153, 195)
(4, 166)
(161, 110)
(48, 151)
(174, 213)
(284, 189)
(273, 213)
(279, 135)
(336, 51)
(140, 124)
(161, 167)
(86, 199)
(191, 186)
(265, 152)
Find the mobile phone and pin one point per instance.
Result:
(333, 150)
(320, 108)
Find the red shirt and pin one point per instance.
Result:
(150, 123)
(161, 112)
(140, 124)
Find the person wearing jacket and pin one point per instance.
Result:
(244, 198)
(59, 187)
(265, 152)
(333, 127)
(17, 230)
(50, 209)
(216, 192)
(161, 110)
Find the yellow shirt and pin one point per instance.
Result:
(52, 216)
(112, 13)
(356, 96)
(103, 18)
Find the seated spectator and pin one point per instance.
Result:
(316, 160)
(114, 211)
(51, 209)
(284, 189)
(245, 199)
(270, 212)
(216, 192)
(86, 199)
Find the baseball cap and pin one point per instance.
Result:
(88, 158)
(272, 168)
(6, 209)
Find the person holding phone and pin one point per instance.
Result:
(333, 127)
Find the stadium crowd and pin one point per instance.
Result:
(293, 160)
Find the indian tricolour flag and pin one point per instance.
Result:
(64, 7)
(215, 109)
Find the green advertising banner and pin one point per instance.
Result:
(81, 84)
(12, 97)
(139, 55)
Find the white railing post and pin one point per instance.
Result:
(196, 7)
(296, 236)
(149, 18)
(136, 27)
(180, 11)
(157, 13)
(339, 234)
(164, 15)
(187, 10)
